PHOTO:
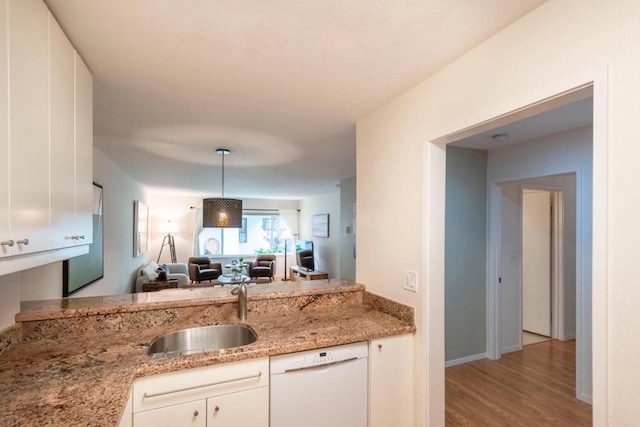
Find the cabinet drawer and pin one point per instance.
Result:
(192, 414)
(200, 383)
(243, 409)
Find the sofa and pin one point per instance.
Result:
(147, 272)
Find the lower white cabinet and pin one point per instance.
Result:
(391, 381)
(226, 395)
(192, 414)
(242, 409)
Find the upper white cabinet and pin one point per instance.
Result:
(4, 132)
(62, 126)
(46, 140)
(29, 125)
(83, 151)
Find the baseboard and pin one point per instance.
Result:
(466, 359)
(569, 337)
(512, 348)
(586, 399)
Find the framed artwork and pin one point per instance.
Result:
(140, 228)
(321, 225)
(86, 269)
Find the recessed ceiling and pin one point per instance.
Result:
(280, 82)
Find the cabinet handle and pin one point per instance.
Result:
(7, 243)
(162, 393)
(195, 413)
(216, 410)
(23, 242)
(380, 347)
(81, 237)
(75, 237)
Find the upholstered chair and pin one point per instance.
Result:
(201, 269)
(263, 266)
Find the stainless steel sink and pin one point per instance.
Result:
(200, 340)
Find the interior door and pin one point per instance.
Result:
(536, 262)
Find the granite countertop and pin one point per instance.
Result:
(77, 375)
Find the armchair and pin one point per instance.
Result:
(201, 268)
(263, 266)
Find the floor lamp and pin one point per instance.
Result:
(168, 227)
(286, 236)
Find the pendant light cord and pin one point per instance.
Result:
(223, 154)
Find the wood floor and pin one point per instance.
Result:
(532, 387)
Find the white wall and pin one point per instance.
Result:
(560, 45)
(10, 301)
(326, 250)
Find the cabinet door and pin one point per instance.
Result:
(4, 129)
(29, 124)
(242, 409)
(391, 381)
(61, 75)
(84, 151)
(191, 414)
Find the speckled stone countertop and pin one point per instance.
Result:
(76, 359)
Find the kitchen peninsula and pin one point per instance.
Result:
(72, 362)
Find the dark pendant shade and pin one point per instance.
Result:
(222, 213)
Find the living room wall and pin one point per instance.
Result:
(326, 249)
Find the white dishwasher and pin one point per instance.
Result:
(325, 387)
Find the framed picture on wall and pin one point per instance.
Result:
(321, 225)
(86, 269)
(140, 228)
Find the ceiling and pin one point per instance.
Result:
(561, 119)
(280, 83)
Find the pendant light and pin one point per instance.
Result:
(220, 212)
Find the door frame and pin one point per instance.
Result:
(431, 343)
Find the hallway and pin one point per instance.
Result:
(532, 387)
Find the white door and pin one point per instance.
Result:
(536, 262)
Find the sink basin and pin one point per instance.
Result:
(200, 340)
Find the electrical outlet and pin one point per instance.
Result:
(410, 281)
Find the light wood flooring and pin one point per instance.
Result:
(532, 387)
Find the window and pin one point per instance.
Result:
(260, 233)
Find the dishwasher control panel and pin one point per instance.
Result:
(319, 357)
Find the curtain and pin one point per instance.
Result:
(197, 229)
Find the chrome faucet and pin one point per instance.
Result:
(241, 291)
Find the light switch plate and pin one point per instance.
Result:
(410, 280)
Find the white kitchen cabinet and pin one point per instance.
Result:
(127, 415)
(191, 414)
(46, 140)
(391, 381)
(245, 408)
(84, 152)
(62, 133)
(5, 249)
(239, 391)
(29, 125)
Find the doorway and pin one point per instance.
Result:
(537, 265)
(511, 164)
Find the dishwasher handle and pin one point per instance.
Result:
(321, 366)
